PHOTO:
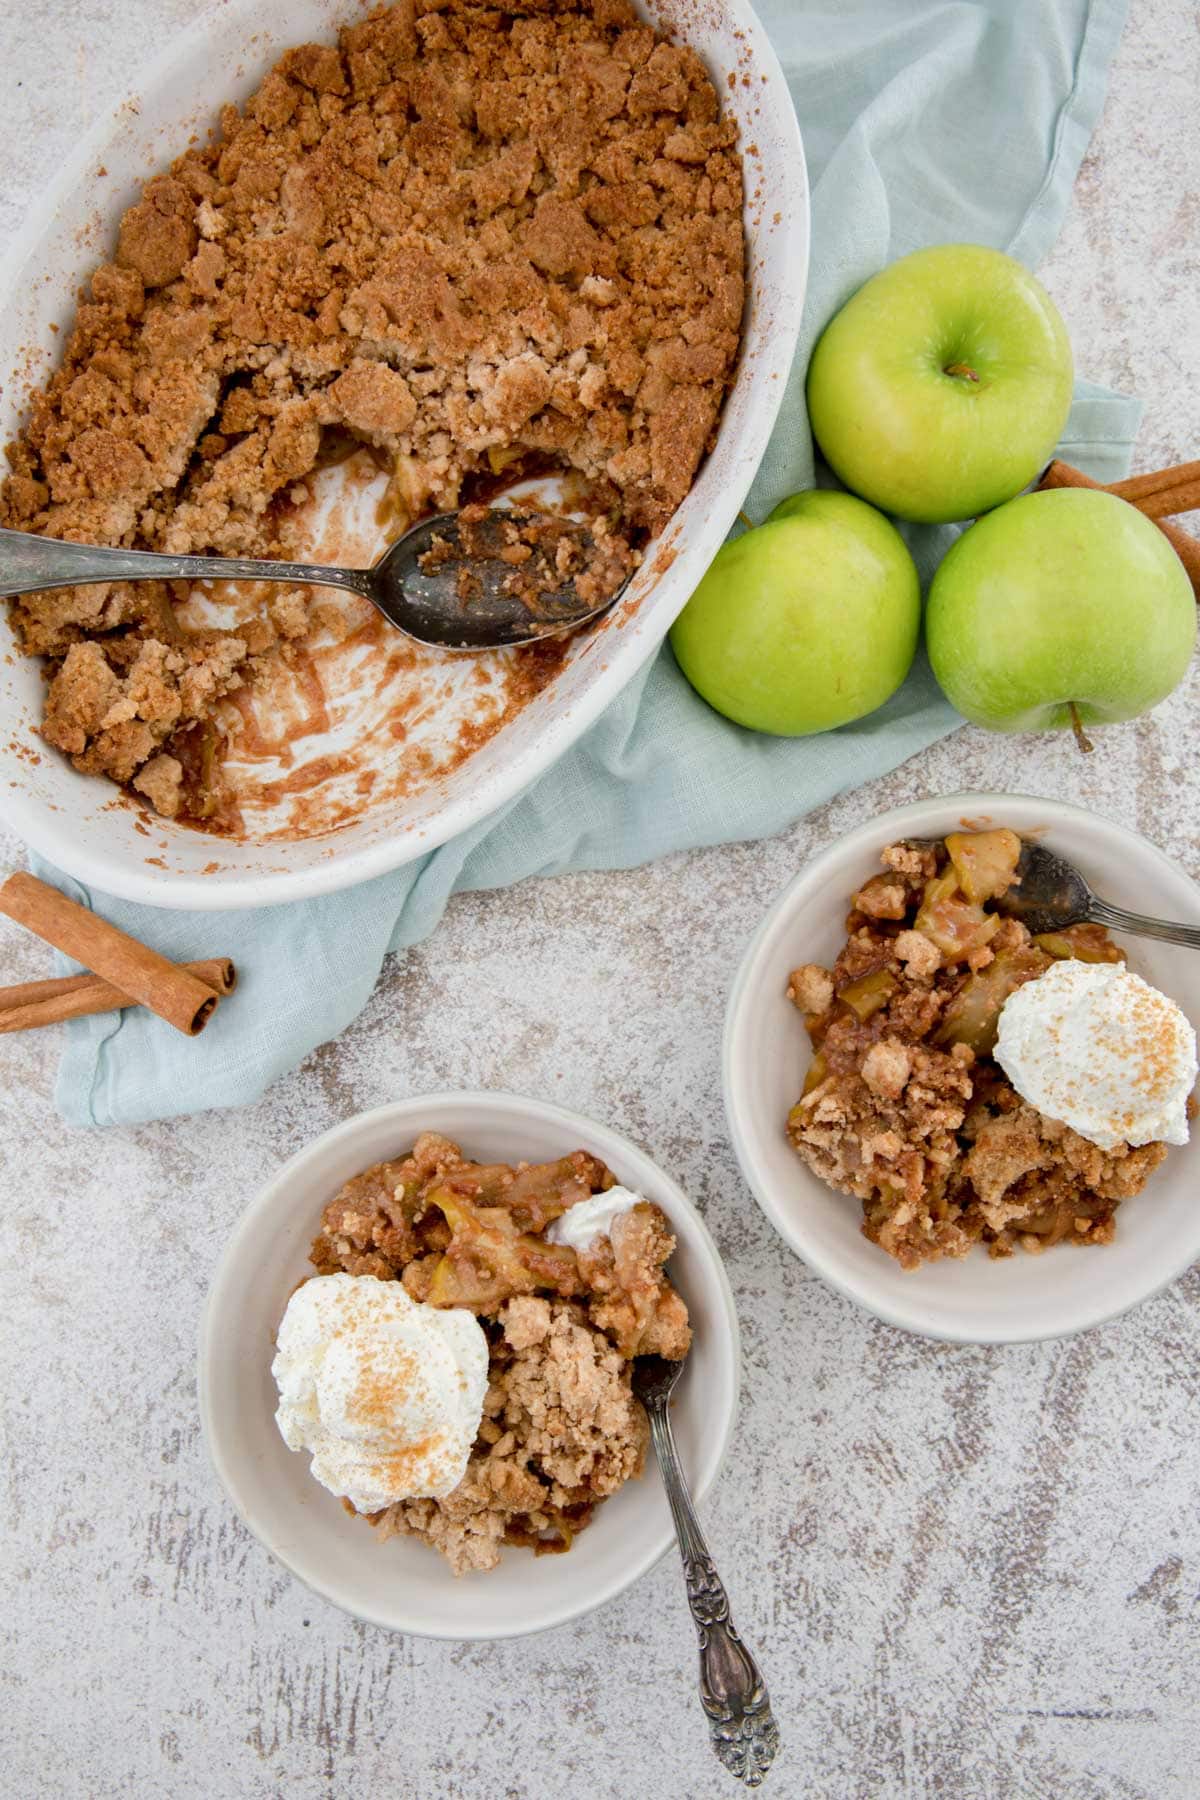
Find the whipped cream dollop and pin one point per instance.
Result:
(1099, 1049)
(386, 1393)
(582, 1224)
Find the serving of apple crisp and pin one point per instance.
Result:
(904, 1104)
(462, 237)
(560, 1429)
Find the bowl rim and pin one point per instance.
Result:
(106, 871)
(789, 1223)
(498, 1103)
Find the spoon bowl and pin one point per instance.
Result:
(482, 579)
(1049, 894)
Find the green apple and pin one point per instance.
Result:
(807, 621)
(942, 386)
(1067, 598)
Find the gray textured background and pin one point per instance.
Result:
(969, 1572)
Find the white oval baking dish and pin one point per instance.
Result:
(80, 822)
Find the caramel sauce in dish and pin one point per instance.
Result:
(350, 710)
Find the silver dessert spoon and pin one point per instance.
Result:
(430, 605)
(1050, 894)
(732, 1691)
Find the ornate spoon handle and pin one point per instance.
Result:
(732, 1691)
(1102, 912)
(30, 564)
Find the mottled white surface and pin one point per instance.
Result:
(969, 1573)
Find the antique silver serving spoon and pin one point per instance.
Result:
(425, 604)
(1050, 894)
(732, 1692)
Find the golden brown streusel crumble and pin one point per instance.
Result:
(904, 1106)
(464, 236)
(561, 1429)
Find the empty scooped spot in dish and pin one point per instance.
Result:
(353, 711)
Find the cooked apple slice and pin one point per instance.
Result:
(984, 861)
(1086, 943)
(535, 1193)
(973, 1015)
(489, 1258)
(542, 1191)
(869, 992)
(955, 924)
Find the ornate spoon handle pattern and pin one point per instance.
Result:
(1117, 919)
(732, 1691)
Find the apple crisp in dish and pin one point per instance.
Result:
(560, 1429)
(467, 240)
(905, 1106)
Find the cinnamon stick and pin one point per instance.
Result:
(34, 1003)
(175, 994)
(1186, 548)
(1174, 490)
(1166, 503)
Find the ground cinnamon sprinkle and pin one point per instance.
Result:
(463, 235)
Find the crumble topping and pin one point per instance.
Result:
(543, 555)
(463, 236)
(905, 1108)
(561, 1431)
(561, 1428)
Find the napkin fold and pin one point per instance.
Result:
(925, 121)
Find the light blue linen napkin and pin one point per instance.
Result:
(925, 121)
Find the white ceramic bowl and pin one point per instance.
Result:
(76, 820)
(766, 1051)
(402, 1584)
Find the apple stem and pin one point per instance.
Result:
(747, 521)
(962, 371)
(1081, 737)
